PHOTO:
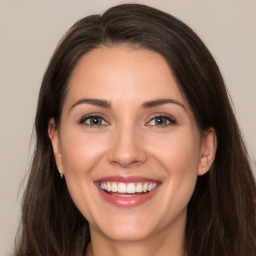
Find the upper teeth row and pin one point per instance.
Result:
(127, 187)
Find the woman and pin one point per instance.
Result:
(138, 150)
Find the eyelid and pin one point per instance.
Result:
(84, 117)
(170, 118)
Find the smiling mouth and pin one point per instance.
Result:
(127, 189)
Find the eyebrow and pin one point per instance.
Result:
(107, 104)
(158, 102)
(95, 102)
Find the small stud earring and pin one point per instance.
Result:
(61, 175)
(204, 170)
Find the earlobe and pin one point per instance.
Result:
(56, 145)
(207, 151)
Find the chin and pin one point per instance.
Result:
(128, 233)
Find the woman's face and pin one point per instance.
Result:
(128, 144)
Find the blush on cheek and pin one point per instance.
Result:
(82, 153)
(180, 154)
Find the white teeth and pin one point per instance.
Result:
(154, 186)
(139, 188)
(114, 187)
(109, 188)
(121, 188)
(145, 187)
(130, 188)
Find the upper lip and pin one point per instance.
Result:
(127, 179)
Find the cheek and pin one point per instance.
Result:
(80, 152)
(178, 156)
(178, 152)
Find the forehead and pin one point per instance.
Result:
(122, 72)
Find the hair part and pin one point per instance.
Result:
(221, 212)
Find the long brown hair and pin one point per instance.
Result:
(221, 213)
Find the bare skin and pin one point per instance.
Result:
(125, 116)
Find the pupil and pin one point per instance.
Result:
(95, 120)
(160, 120)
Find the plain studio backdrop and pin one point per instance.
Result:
(29, 33)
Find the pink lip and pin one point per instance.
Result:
(127, 179)
(126, 202)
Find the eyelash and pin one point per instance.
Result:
(91, 116)
(169, 119)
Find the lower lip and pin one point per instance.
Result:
(133, 201)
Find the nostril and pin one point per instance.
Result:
(126, 162)
(126, 149)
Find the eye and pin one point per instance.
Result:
(93, 120)
(161, 121)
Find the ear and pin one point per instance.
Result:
(207, 151)
(56, 144)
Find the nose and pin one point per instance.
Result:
(127, 148)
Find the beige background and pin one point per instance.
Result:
(29, 32)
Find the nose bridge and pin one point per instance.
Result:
(126, 148)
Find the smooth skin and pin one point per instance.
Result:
(139, 124)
